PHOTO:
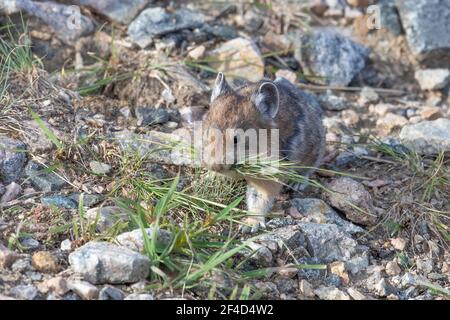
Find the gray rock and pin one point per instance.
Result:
(319, 212)
(66, 21)
(110, 293)
(334, 57)
(327, 242)
(390, 19)
(139, 296)
(22, 265)
(331, 293)
(12, 159)
(9, 6)
(432, 79)
(167, 148)
(66, 245)
(43, 180)
(428, 137)
(357, 263)
(99, 167)
(29, 243)
(134, 240)
(260, 255)
(156, 22)
(84, 289)
(12, 191)
(59, 202)
(89, 200)
(224, 32)
(121, 11)
(332, 102)
(148, 116)
(106, 217)
(25, 292)
(353, 200)
(101, 262)
(280, 238)
(426, 23)
(2, 189)
(383, 288)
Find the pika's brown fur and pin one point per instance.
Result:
(268, 105)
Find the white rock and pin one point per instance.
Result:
(428, 137)
(84, 289)
(432, 79)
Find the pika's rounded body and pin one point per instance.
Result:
(272, 105)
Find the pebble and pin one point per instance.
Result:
(431, 113)
(25, 292)
(101, 262)
(106, 217)
(57, 285)
(392, 268)
(331, 293)
(355, 294)
(44, 261)
(84, 289)
(100, 167)
(110, 293)
(306, 289)
(139, 296)
(432, 79)
(398, 244)
(12, 191)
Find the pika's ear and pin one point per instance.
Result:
(267, 99)
(221, 86)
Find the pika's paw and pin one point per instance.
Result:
(253, 224)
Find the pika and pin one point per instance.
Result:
(269, 105)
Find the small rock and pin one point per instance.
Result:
(398, 243)
(431, 113)
(22, 265)
(57, 285)
(357, 264)
(383, 288)
(306, 289)
(84, 289)
(348, 193)
(331, 293)
(29, 243)
(121, 11)
(110, 293)
(427, 29)
(25, 292)
(432, 79)
(60, 19)
(391, 122)
(139, 296)
(316, 210)
(428, 137)
(238, 58)
(7, 257)
(105, 217)
(44, 261)
(59, 202)
(197, 53)
(287, 74)
(338, 268)
(156, 22)
(12, 159)
(368, 95)
(66, 245)
(350, 117)
(134, 240)
(101, 262)
(150, 116)
(331, 102)
(390, 19)
(335, 58)
(100, 167)
(12, 191)
(42, 180)
(355, 294)
(392, 268)
(260, 255)
(327, 242)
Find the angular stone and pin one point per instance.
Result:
(84, 289)
(106, 217)
(43, 180)
(12, 159)
(101, 262)
(99, 167)
(156, 22)
(25, 292)
(59, 202)
(427, 27)
(327, 242)
(331, 293)
(331, 56)
(428, 137)
(148, 116)
(432, 79)
(121, 11)
(353, 200)
(238, 58)
(134, 240)
(110, 293)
